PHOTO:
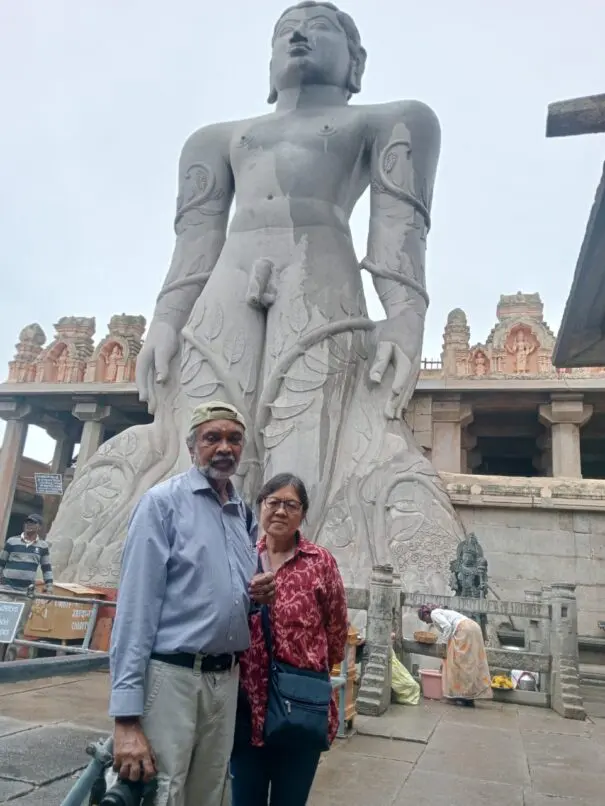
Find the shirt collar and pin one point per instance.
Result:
(200, 484)
(303, 546)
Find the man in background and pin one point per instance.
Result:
(23, 555)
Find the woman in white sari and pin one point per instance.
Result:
(465, 674)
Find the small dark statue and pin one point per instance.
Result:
(469, 574)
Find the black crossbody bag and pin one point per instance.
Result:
(298, 701)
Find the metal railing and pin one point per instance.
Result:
(31, 595)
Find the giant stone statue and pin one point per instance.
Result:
(269, 314)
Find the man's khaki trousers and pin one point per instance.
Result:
(189, 721)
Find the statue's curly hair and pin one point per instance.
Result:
(356, 50)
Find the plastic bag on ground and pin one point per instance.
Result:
(406, 691)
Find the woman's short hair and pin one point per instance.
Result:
(285, 480)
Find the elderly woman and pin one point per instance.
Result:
(305, 629)
(466, 676)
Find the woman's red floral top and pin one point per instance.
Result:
(309, 624)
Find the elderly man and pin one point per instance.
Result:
(188, 578)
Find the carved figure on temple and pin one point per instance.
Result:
(62, 368)
(469, 570)
(522, 348)
(480, 364)
(113, 359)
(64, 360)
(270, 315)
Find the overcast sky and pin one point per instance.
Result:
(99, 95)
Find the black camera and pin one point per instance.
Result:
(129, 793)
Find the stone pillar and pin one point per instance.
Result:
(15, 412)
(565, 414)
(64, 448)
(374, 694)
(92, 415)
(566, 698)
(533, 633)
(450, 416)
(469, 457)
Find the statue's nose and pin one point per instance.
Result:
(298, 36)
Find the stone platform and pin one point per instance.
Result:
(430, 755)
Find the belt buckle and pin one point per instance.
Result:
(197, 663)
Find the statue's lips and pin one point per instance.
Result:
(299, 50)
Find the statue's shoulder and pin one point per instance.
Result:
(216, 136)
(416, 116)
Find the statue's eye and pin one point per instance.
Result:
(319, 25)
(285, 30)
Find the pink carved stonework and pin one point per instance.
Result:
(114, 359)
(520, 344)
(65, 359)
(480, 363)
(22, 369)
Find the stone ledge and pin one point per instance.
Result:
(525, 493)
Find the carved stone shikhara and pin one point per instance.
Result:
(270, 316)
(520, 345)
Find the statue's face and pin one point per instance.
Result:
(310, 47)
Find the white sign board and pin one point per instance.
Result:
(10, 615)
(48, 483)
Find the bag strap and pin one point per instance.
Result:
(266, 625)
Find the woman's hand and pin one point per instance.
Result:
(262, 588)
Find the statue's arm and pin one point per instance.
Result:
(403, 163)
(206, 188)
(404, 157)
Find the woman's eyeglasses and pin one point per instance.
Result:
(273, 504)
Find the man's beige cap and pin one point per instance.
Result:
(215, 410)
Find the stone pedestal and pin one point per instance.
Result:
(374, 694)
(450, 416)
(11, 454)
(566, 698)
(565, 415)
(92, 415)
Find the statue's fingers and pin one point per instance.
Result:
(381, 362)
(162, 363)
(141, 375)
(403, 367)
(150, 387)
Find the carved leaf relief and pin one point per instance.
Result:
(275, 433)
(204, 390)
(299, 316)
(234, 348)
(191, 368)
(214, 323)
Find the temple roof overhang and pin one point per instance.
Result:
(581, 339)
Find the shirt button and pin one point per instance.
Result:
(237, 601)
(231, 638)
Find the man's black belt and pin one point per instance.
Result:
(199, 662)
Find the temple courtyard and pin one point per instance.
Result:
(430, 755)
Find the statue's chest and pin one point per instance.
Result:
(298, 139)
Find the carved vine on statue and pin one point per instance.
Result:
(269, 312)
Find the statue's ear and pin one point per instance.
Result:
(358, 65)
(272, 95)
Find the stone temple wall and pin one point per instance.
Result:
(536, 532)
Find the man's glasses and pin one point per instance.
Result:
(273, 504)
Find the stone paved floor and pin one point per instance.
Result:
(431, 755)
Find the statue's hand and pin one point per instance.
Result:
(399, 339)
(153, 363)
(404, 377)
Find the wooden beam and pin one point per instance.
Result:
(576, 116)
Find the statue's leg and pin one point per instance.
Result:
(314, 343)
(222, 354)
